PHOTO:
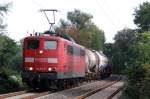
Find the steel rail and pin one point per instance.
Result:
(98, 89)
(37, 95)
(12, 94)
(115, 92)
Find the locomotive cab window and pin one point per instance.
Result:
(33, 44)
(50, 45)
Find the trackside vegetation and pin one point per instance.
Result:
(10, 57)
(130, 54)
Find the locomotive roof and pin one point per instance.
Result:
(54, 38)
(42, 37)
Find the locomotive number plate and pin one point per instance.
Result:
(41, 60)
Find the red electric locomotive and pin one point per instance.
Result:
(52, 61)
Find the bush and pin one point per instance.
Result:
(138, 86)
(10, 80)
(13, 80)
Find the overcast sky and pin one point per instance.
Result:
(108, 15)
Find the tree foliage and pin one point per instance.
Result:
(124, 39)
(8, 50)
(131, 54)
(139, 68)
(98, 38)
(142, 16)
(3, 11)
(108, 50)
(79, 19)
(10, 57)
(138, 64)
(80, 27)
(8, 47)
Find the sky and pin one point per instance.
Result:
(109, 15)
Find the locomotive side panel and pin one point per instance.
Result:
(75, 60)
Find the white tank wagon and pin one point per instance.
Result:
(97, 63)
(91, 60)
(103, 60)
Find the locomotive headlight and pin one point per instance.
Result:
(49, 69)
(40, 51)
(30, 68)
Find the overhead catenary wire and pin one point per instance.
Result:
(116, 17)
(116, 27)
(38, 4)
(107, 15)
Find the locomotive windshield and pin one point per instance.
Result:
(50, 45)
(33, 44)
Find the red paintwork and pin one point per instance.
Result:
(66, 63)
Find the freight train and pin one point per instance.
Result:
(52, 61)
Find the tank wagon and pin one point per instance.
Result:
(52, 61)
(98, 65)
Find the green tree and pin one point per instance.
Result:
(3, 38)
(124, 39)
(3, 11)
(98, 38)
(139, 68)
(142, 16)
(10, 57)
(108, 50)
(8, 48)
(80, 27)
(79, 19)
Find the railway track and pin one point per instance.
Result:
(24, 95)
(35, 95)
(114, 93)
(12, 94)
(107, 92)
(85, 91)
(98, 89)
